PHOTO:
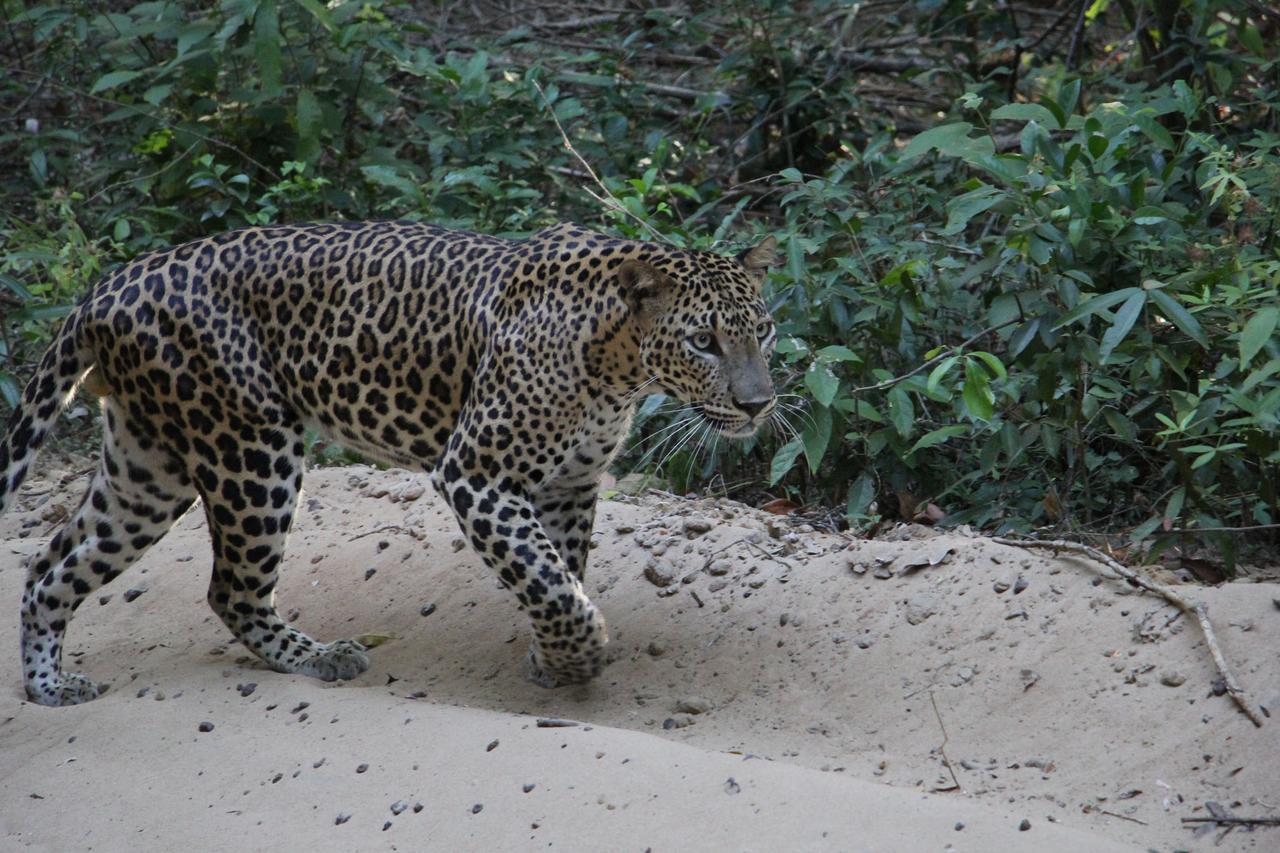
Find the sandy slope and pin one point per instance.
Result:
(817, 683)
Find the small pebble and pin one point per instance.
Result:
(368, 573)
(132, 594)
(341, 819)
(428, 610)
(493, 744)
(731, 786)
(103, 599)
(959, 825)
(1020, 584)
(398, 807)
(693, 705)
(1000, 586)
(477, 808)
(206, 726)
(386, 826)
(360, 768)
(247, 689)
(655, 650)
(527, 787)
(1024, 826)
(1173, 679)
(302, 706)
(417, 807)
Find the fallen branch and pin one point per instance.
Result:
(1198, 609)
(1236, 821)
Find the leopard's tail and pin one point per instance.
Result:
(62, 368)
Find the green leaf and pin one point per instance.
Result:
(784, 459)
(1095, 304)
(319, 12)
(266, 47)
(861, 493)
(1025, 112)
(977, 392)
(1179, 316)
(114, 79)
(816, 437)
(938, 436)
(837, 352)
(18, 288)
(901, 412)
(822, 383)
(995, 365)
(1257, 332)
(964, 207)
(950, 139)
(939, 372)
(309, 119)
(1126, 316)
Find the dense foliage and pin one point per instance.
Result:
(1030, 250)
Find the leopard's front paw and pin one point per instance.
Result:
(557, 671)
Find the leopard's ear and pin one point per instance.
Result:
(758, 260)
(644, 287)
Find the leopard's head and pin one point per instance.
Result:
(705, 332)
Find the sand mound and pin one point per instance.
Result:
(771, 688)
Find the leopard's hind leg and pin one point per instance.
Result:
(135, 496)
(250, 511)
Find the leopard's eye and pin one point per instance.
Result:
(703, 342)
(763, 328)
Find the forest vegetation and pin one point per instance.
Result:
(1029, 249)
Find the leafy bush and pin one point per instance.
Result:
(1030, 258)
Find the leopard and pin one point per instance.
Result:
(505, 369)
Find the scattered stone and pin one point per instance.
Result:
(1029, 678)
(143, 691)
(696, 525)
(493, 744)
(428, 609)
(1000, 586)
(921, 607)
(386, 826)
(527, 787)
(959, 825)
(1173, 679)
(458, 544)
(677, 721)
(302, 706)
(206, 726)
(360, 768)
(341, 819)
(694, 705)
(368, 573)
(1020, 584)
(655, 649)
(417, 808)
(247, 689)
(398, 807)
(133, 593)
(721, 566)
(732, 787)
(1024, 826)
(659, 573)
(477, 808)
(103, 599)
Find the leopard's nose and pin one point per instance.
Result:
(752, 407)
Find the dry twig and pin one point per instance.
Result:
(1197, 609)
(608, 199)
(942, 750)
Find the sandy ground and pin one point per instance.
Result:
(784, 690)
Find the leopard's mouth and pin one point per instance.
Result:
(730, 427)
